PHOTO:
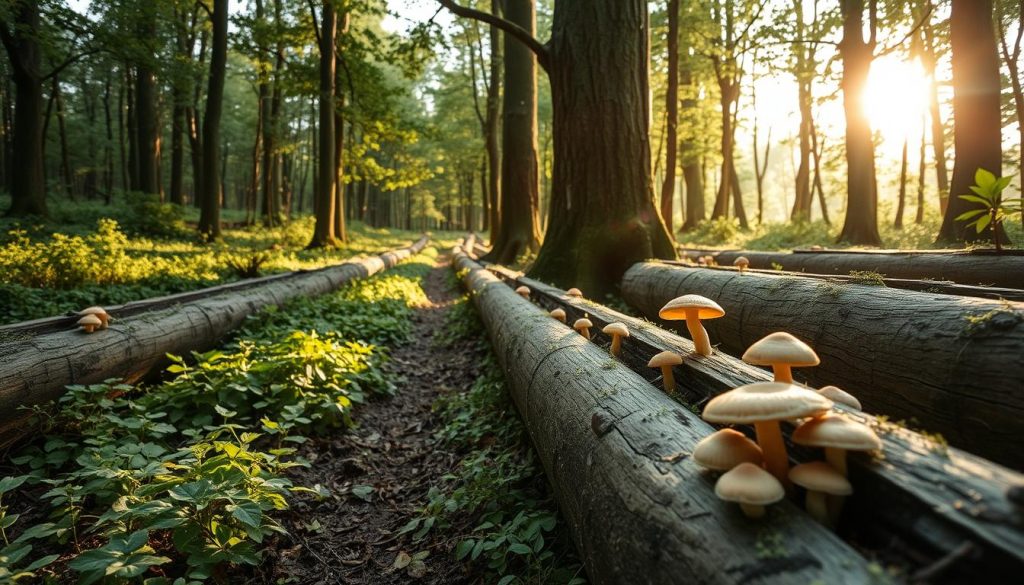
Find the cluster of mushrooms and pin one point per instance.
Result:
(93, 319)
(758, 474)
(741, 263)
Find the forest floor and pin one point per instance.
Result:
(385, 468)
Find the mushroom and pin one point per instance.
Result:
(99, 312)
(820, 480)
(710, 260)
(665, 360)
(583, 326)
(574, 292)
(702, 261)
(764, 404)
(617, 331)
(523, 291)
(750, 486)
(90, 323)
(725, 449)
(558, 314)
(693, 308)
(837, 434)
(840, 396)
(742, 263)
(781, 351)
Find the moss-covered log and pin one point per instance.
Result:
(976, 267)
(923, 503)
(616, 450)
(951, 365)
(37, 366)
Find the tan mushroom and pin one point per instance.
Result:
(693, 308)
(742, 263)
(725, 449)
(751, 487)
(840, 396)
(837, 434)
(665, 360)
(583, 325)
(617, 331)
(558, 314)
(523, 291)
(90, 323)
(782, 352)
(820, 480)
(574, 293)
(100, 313)
(764, 404)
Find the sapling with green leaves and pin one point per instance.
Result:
(988, 191)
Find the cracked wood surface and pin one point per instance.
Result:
(921, 495)
(37, 368)
(616, 450)
(910, 355)
(972, 268)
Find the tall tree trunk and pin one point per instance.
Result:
(921, 167)
(861, 224)
(929, 61)
(726, 91)
(901, 201)
(668, 187)
(108, 146)
(145, 112)
(491, 138)
(132, 125)
(1011, 56)
(804, 79)
(520, 181)
(28, 183)
(689, 152)
(65, 161)
(323, 231)
(761, 169)
(340, 232)
(209, 217)
(817, 150)
(977, 122)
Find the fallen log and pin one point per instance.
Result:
(37, 368)
(923, 502)
(929, 286)
(950, 365)
(978, 267)
(616, 451)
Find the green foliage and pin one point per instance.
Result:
(994, 210)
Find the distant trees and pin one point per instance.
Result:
(210, 196)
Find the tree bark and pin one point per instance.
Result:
(977, 121)
(905, 354)
(520, 179)
(929, 61)
(912, 496)
(145, 110)
(861, 224)
(324, 203)
(209, 217)
(668, 187)
(614, 449)
(491, 136)
(340, 232)
(28, 184)
(804, 78)
(67, 178)
(689, 151)
(901, 200)
(1011, 56)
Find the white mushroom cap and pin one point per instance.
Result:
(741, 261)
(840, 396)
(574, 292)
(90, 322)
(749, 484)
(665, 358)
(819, 476)
(764, 401)
(559, 314)
(676, 308)
(725, 449)
(582, 323)
(616, 329)
(780, 348)
(838, 432)
(523, 291)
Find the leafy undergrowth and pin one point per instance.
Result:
(177, 482)
(496, 504)
(115, 258)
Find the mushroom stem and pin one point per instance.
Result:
(585, 332)
(783, 373)
(668, 379)
(818, 508)
(776, 461)
(837, 459)
(752, 510)
(616, 345)
(699, 335)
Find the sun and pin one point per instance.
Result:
(896, 99)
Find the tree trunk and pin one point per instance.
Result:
(929, 61)
(726, 91)
(491, 135)
(689, 153)
(1011, 56)
(668, 187)
(28, 185)
(613, 448)
(901, 201)
(520, 180)
(603, 217)
(921, 166)
(817, 150)
(145, 112)
(67, 178)
(340, 233)
(209, 217)
(804, 78)
(108, 146)
(323, 231)
(908, 355)
(861, 224)
(912, 498)
(977, 121)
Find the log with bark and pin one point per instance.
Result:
(616, 451)
(37, 367)
(945, 513)
(950, 365)
(975, 267)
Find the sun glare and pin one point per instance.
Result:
(896, 99)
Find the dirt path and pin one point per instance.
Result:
(381, 471)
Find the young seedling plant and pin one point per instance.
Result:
(988, 190)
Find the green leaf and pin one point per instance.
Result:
(363, 492)
(1002, 183)
(970, 214)
(40, 563)
(982, 223)
(507, 579)
(9, 483)
(520, 549)
(984, 178)
(976, 199)
(464, 548)
(247, 513)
